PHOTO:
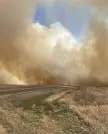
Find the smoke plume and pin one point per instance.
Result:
(34, 54)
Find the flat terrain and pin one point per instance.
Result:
(53, 109)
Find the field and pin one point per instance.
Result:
(61, 110)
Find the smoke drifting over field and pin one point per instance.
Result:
(34, 54)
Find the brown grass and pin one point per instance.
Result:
(68, 112)
(91, 104)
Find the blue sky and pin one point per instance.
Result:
(74, 17)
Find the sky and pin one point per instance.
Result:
(75, 17)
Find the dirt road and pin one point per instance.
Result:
(16, 89)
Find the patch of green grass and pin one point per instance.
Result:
(36, 104)
(37, 100)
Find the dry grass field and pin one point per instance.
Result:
(83, 110)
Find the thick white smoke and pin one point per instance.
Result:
(34, 54)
